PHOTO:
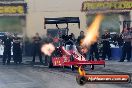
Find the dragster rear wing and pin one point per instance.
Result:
(61, 20)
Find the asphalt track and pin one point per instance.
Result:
(39, 76)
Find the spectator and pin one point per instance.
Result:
(73, 37)
(94, 52)
(126, 51)
(81, 36)
(36, 48)
(48, 39)
(7, 43)
(17, 49)
(120, 40)
(106, 45)
(82, 50)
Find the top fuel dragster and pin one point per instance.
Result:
(68, 54)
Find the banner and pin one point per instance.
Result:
(13, 8)
(106, 5)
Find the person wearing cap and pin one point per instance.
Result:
(7, 43)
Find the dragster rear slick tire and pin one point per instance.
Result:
(81, 80)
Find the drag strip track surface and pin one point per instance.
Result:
(99, 70)
(39, 76)
(115, 68)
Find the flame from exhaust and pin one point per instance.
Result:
(48, 49)
(81, 71)
(92, 32)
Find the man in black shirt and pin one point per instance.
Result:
(106, 45)
(94, 52)
(81, 49)
(73, 37)
(7, 40)
(79, 39)
(17, 51)
(36, 47)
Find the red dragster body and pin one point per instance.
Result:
(71, 57)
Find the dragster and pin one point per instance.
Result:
(68, 53)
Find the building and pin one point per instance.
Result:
(39, 9)
(32, 19)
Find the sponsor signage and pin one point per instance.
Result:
(90, 6)
(13, 8)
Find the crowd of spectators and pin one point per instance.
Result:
(99, 50)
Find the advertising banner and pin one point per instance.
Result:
(99, 6)
(13, 8)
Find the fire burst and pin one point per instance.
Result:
(81, 71)
(48, 49)
(92, 33)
